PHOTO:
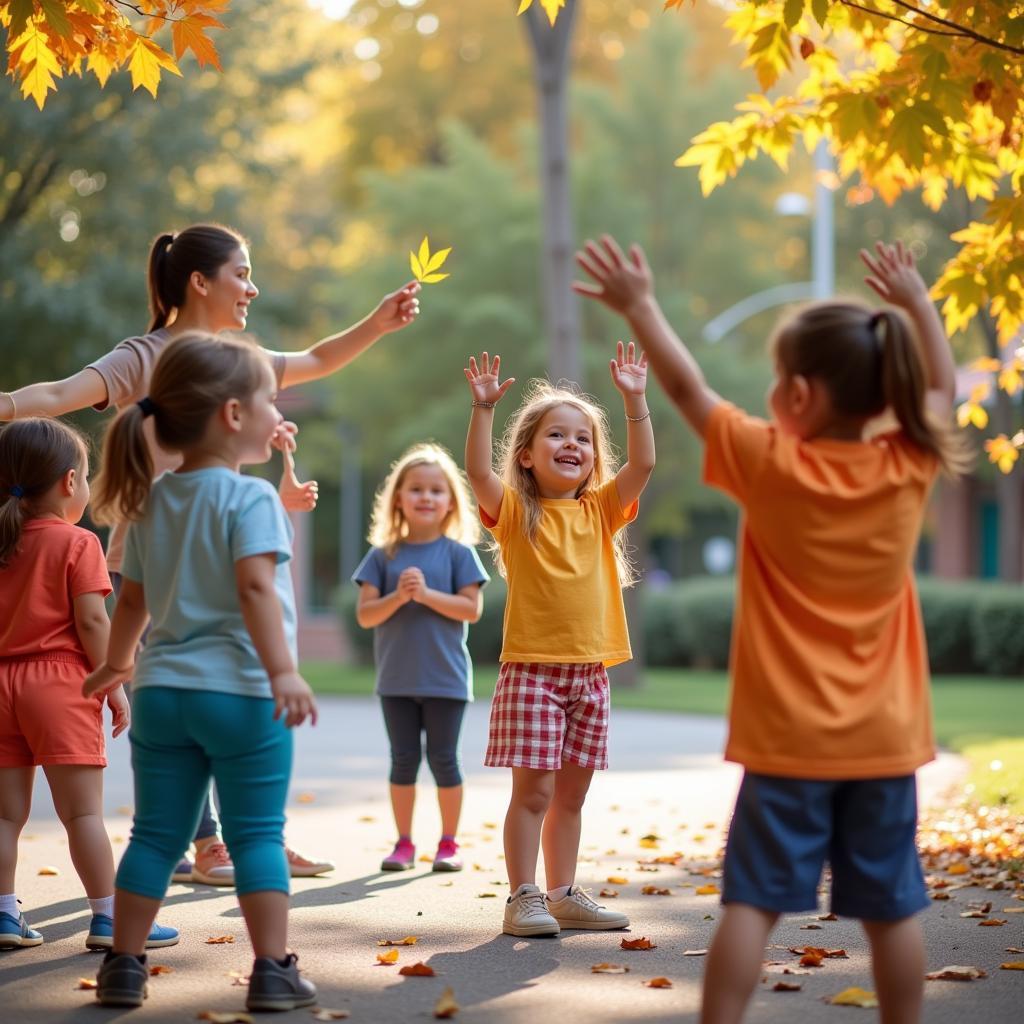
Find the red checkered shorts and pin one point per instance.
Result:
(542, 715)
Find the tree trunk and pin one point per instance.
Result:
(1009, 486)
(550, 48)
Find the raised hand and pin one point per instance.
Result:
(894, 275)
(621, 281)
(484, 378)
(397, 309)
(629, 374)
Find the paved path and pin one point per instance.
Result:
(668, 778)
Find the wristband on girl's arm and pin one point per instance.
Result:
(638, 419)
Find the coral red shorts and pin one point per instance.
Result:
(542, 715)
(44, 719)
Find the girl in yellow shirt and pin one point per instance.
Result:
(555, 510)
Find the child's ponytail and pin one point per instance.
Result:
(34, 454)
(905, 389)
(126, 470)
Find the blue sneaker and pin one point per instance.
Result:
(101, 934)
(16, 934)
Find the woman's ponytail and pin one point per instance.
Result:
(159, 307)
(126, 470)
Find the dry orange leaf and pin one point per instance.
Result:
(956, 973)
(86, 983)
(48, 870)
(425, 858)
(855, 997)
(305, 798)
(828, 917)
(617, 880)
(957, 869)
(659, 983)
(787, 986)
(779, 967)
(409, 940)
(156, 969)
(810, 960)
(331, 1014)
(238, 978)
(822, 954)
(707, 890)
(230, 1017)
(417, 970)
(219, 940)
(486, 895)
(653, 890)
(940, 896)
(650, 841)
(388, 958)
(608, 894)
(641, 943)
(609, 969)
(992, 922)
(446, 1007)
(1012, 965)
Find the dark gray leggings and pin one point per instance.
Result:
(406, 718)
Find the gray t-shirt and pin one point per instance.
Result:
(126, 370)
(419, 652)
(183, 552)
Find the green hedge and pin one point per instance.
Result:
(971, 627)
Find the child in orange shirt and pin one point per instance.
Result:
(53, 628)
(829, 712)
(556, 512)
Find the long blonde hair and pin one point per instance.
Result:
(540, 398)
(388, 527)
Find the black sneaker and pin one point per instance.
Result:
(273, 986)
(122, 980)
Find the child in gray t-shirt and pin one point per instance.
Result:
(420, 587)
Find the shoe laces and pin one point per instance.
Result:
(218, 853)
(447, 848)
(583, 897)
(535, 902)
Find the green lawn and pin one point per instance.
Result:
(968, 709)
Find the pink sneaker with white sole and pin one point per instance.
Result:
(403, 856)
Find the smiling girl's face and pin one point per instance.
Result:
(561, 454)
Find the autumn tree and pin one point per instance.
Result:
(50, 39)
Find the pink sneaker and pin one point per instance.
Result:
(213, 866)
(401, 857)
(447, 857)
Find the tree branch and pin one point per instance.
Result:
(961, 29)
(897, 18)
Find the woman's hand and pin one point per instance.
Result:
(621, 282)
(293, 698)
(397, 309)
(120, 712)
(484, 379)
(628, 373)
(894, 275)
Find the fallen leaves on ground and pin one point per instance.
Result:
(854, 997)
(641, 943)
(608, 894)
(323, 1014)
(956, 973)
(609, 969)
(1012, 965)
(238, 978)
(446, 1007)
(985, 842)
(787, 986)
(1014, 949)
(86, 983)
(231, 1017)
(810, 927)
(48, 870)
(653, 890)
(810, 960)
(409, 940)
(219, 940)
(650, 841)
(486, 895)
(782, 967)
(156, 969)
(707, 890)
(305, 798)
(659, 983)
(828, 917)
(825, 954)
(388, 958)
(417, 970)
(617, 880)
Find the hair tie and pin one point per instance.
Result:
(147, 405)
(17, 491)
(875, 320)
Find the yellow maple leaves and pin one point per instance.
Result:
(551, 8)
(49, 39)
(426, 264)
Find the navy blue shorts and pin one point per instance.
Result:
(784, 830)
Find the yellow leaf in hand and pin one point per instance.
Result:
(425, 265)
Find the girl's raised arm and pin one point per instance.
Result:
(483, 378)
(626, 286)
(629, 375)
(54, 398)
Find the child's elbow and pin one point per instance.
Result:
(92, 623)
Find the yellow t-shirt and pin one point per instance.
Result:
(829, 665)
(564, 600)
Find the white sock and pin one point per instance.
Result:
(103, 906)
(559, 892)
(523, 888)
(9, 904)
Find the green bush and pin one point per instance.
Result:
(997, 625)
(705, 613)
(946, 607)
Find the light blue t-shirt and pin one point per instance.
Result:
(419, 652)
(183, 552)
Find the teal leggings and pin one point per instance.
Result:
(182, 738)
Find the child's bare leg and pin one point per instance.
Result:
(78, 798)
(133, 921)
(403, 800)
(266, 918)
(15, 803)
(532, 789)
(898, 964)
(563, 823)
(733, 966)
(449, 800)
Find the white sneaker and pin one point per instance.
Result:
(526, 913)
(577, 910)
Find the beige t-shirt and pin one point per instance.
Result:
(126, 370)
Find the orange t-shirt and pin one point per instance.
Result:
(56, 563)
(829, 665)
